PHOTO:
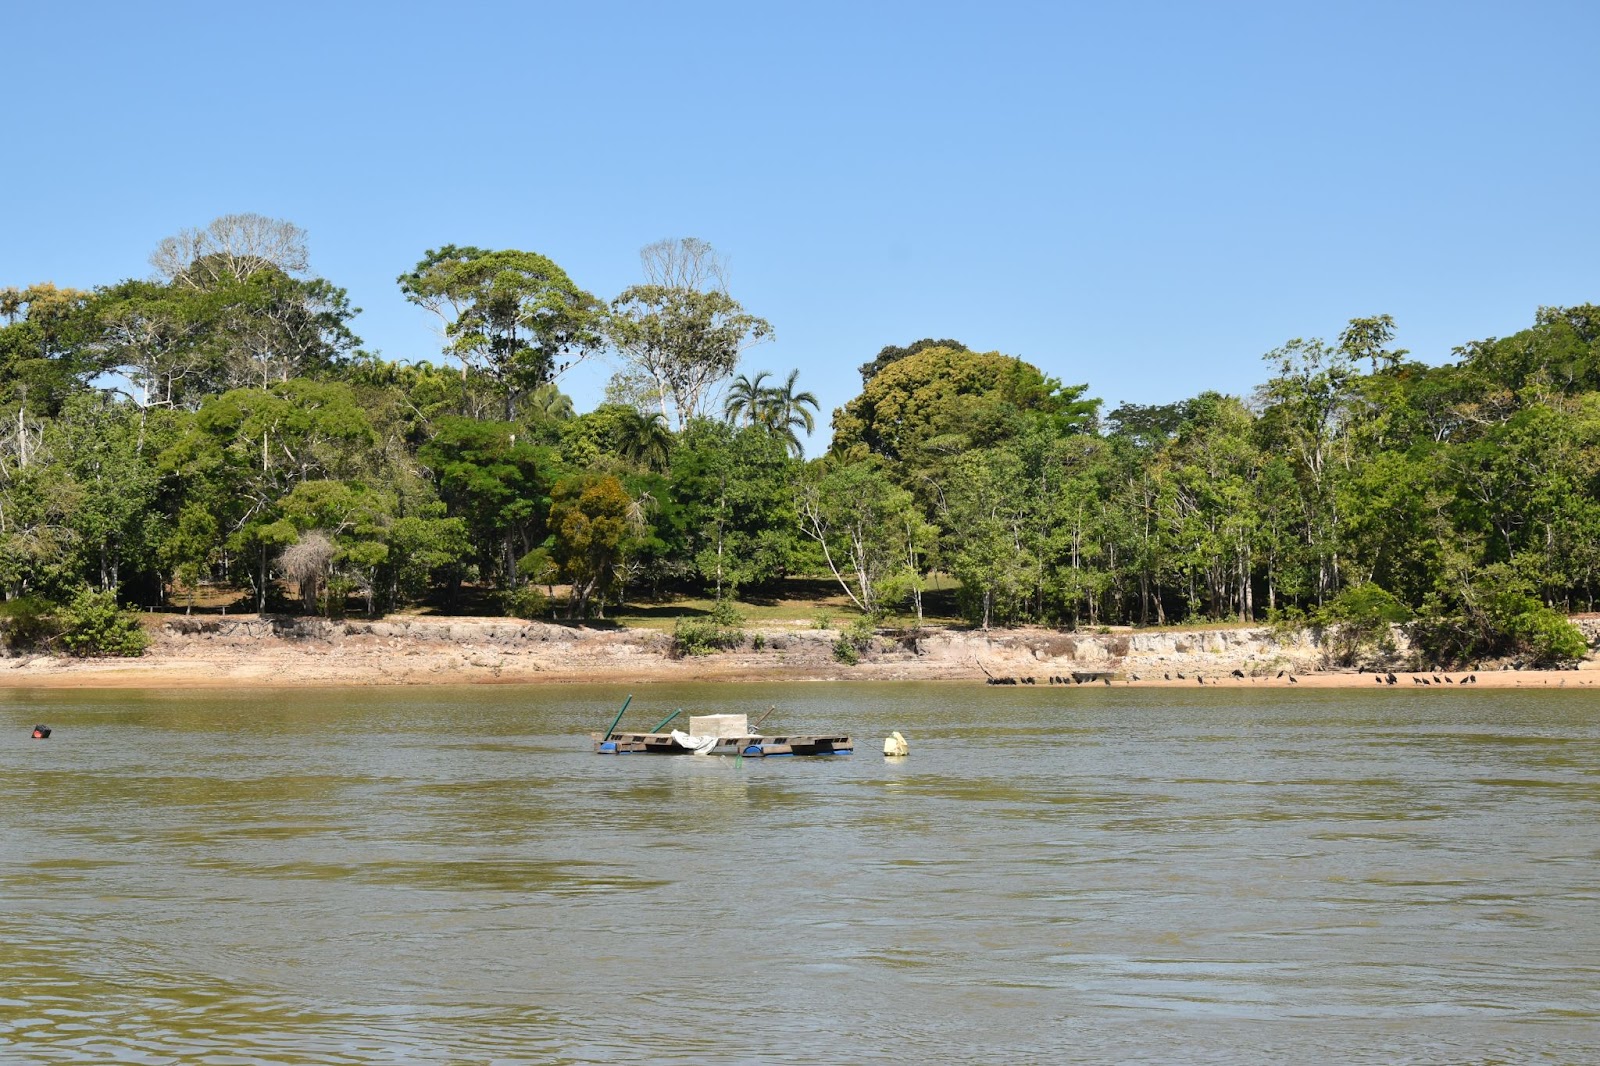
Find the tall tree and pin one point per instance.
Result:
(232, 247)
(1368, 338)
(681, 329)
(235, 308)
(515, 315)
(786, 411)
(891, 353)
(1307, 414)
(746, 399)
(44, 357)
(941, 402)
(1561, 352)
(780, 408)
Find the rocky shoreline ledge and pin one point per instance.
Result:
(273, 650)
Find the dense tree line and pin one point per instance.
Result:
(219, 424)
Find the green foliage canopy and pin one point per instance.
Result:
(941, 401)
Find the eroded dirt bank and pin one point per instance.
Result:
(265, 651)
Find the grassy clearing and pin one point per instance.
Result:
(800, 603)
(797, 603)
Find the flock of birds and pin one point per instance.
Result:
(1390, 679)
(1052, 680)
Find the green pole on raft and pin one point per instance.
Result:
(618, 718)
(667, 719)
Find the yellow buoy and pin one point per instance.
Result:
(896, 745)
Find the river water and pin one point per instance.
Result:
(1087, 875)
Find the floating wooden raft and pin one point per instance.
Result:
(751, 747)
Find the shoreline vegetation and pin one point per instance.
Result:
(217, 432)
(250, 651)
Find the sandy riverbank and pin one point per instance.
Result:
(247, 651)
(157, 674)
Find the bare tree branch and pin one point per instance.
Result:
(231, 246)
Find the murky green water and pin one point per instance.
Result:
(1096, 875)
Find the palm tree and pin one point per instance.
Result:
(644, 438)
(784, 411)
(746, 399)
(548, 401)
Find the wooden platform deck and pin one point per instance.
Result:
(751, 747)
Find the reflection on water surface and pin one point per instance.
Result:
(379, 876)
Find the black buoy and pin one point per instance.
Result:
(41, 732)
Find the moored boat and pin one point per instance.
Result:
(720, 734)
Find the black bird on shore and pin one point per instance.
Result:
(1280, 673)
(1447, 680)
(1436, 680)
(1239, 674)
(1389, 677)
(1293, 680)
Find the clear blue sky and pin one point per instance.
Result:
(1145, 197)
